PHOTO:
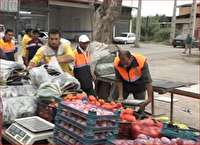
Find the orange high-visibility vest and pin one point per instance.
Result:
(81, 60)
(134, 73)
(7, 46)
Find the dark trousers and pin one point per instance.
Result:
(90, 91)
(10, 56)
(138, 96)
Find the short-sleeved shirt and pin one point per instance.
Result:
(32, 47)
(189, 40)
(45, 53)
(25, 41)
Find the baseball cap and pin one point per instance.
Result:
(84, 39)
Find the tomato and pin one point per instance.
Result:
(129, 118)
(92, 98)
(101, 101)
(107, 106)
(98, 104)
(128, 111)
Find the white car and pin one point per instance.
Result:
(125, 38)
(2, 31)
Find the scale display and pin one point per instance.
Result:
(29, 130)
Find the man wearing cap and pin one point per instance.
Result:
(82, 69)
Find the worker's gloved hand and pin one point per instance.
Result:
(142, 106)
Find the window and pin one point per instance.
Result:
(42, 35)
(123, 35)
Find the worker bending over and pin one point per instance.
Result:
(134, 77)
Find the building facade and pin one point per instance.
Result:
(183, 19)
(71, 17)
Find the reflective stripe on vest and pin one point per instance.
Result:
(34, 44)
(134, 73)
(7, 46)
(81, 60)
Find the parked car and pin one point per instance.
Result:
(125, 38)
(180, 40)
(2, 31)
(43, 36)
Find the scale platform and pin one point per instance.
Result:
(29, 130)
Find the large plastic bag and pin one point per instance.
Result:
(57, 86)
(7, 67)
(39, 75)
(104, 69)
(48, 91)
(100, 51)
(66, 82)
(105, 65)
(16, 91)
(53, 63)
(18, 107)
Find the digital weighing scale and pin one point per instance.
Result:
(29, 130)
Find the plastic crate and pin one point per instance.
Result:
(114, 116)
(171, 131)
(125, 130)
(84, 127)
(45, 111)
(68, 121)
(79, 139)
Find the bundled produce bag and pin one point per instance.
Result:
(148, 127)
(39, 75)
(11, 72)
(18, 107)
(102, 54)
(17, 91)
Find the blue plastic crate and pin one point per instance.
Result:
(84, 127)
(92, 115)
(80, 139)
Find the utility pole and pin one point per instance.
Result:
(193, 18)
(138, 23)
(173, 23)
(17, 19)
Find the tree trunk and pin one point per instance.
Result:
(105, 17)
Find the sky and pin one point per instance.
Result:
(153, 7)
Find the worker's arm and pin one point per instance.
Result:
(68, 57)
(149, 93)
(26, 56)
(37, 58)
(148, 81)
(119, 85)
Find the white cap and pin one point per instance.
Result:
(84, 39)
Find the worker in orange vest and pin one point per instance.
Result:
(82, 69)
(133, 76)
(7, 45)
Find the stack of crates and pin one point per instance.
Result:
(77, 127)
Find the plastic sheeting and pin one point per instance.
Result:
(57, 86)
(105, 65)
(18, 107)
(102, 54)
(15, 91)
(7, 67)
(104, 69)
